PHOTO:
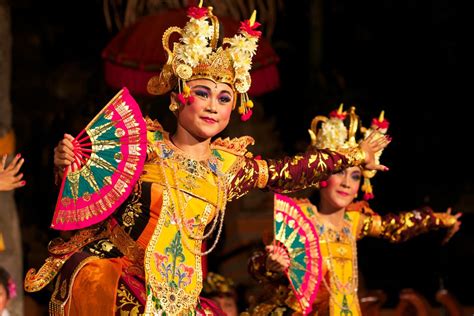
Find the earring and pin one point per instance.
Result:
(173, 106)
(355, 195)
(323, 184)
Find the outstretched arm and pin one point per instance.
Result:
(304, 170)
(405, 225)
(10, 178)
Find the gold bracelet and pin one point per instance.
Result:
(262, 173)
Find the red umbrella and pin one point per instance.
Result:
(136, 54)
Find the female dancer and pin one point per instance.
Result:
(339, 223)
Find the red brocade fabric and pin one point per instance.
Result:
(136, 54)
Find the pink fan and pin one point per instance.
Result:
(109, 157)
(297, 234)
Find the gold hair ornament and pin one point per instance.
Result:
(331, 133)
(197, 56)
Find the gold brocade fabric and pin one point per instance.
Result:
(192, 190)
(340, 272)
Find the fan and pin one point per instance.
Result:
(295, 232)
(109, 157)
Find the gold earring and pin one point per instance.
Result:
(173, 107)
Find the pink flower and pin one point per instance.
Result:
(244, 117)
(11, 288)
(185, 100)
(368, 196)
(181, 98)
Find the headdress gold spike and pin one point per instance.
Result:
(339, 110)
(253, 17)
(381, 116)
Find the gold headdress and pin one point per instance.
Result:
(197, 55)
(333, 134)
(218, 285)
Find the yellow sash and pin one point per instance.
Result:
(191, 193)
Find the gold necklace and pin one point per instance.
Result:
(332, 273)
(219, 209)
(181, 208)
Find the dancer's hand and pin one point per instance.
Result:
(9, 177)
(64, 153)
(453, 228)
(370, 146)
(277, 259)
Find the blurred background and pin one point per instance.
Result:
(69, 58)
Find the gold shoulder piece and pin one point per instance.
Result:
(236, 146)
(361, 207)
(35, 281)
(153, 125)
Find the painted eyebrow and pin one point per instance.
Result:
(202, 87)
(209, 89)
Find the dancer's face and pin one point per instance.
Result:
(227, 304)
(342, 188)
(209, 113)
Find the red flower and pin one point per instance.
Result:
(335, 113)
(196, 12)
(250, 29)
(383, 125)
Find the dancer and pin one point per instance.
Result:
(339, 223)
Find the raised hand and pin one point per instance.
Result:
(10, 178)
(370, 146)
(453, 228)
(278, 259)
(64, 152)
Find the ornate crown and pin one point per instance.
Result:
(196, 56)
(333, 134)
(218, 285)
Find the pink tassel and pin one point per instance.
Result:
(244, 117)
(368, 196)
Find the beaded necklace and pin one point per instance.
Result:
(179, 209)
(338, 284)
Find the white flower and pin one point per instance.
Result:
(332, 134)
(243, 44)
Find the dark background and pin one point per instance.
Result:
(399, 56)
